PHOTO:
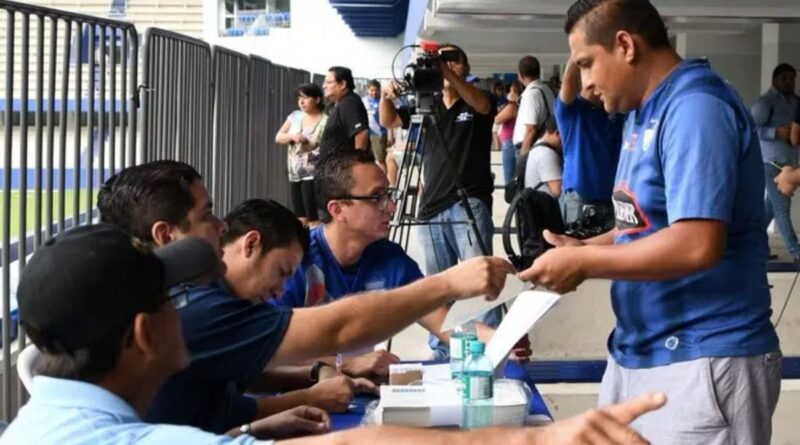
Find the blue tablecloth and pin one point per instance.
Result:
(352, 418)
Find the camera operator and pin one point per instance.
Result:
(464, 117)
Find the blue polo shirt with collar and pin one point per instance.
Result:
(231, 340)
(64, 411)
(320, 279)
(691, 152)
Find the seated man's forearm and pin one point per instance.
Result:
(282, 378)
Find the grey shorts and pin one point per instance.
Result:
(710, 401)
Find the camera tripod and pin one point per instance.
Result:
(409, 180)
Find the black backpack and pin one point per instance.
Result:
(532, 211)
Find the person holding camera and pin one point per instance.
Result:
(459, 155)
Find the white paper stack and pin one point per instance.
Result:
(438, 404)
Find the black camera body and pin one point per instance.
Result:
(424, 77)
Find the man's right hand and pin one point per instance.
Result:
(607, 425)
(478, 276)
(389, 90)
(370, 364)
(299, 421)
(333, 395)
(785, 181)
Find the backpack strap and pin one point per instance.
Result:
(515, 259)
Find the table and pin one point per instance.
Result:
(352, 418)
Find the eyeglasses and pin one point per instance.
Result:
(381, 200)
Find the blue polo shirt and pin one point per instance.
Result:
(691, 152)
(231, 340)
(591, 139)
(64, 411)
(320, 280)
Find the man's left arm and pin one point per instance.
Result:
(700, 189)
(474, 97)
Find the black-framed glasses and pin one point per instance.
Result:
(381, 200)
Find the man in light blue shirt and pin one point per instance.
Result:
(773, 114)
(94, 301)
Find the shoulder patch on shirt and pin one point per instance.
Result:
(315, 287)
(629, 215)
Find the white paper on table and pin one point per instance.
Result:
(529, 307)
(464, 310)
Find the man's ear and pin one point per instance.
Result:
(625, 43)
(162, 233)
(142, 336)
(251, 243)
(334, 208)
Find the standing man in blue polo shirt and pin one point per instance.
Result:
(688, 256)
(379, 137)
(773, 114)
(591, 139)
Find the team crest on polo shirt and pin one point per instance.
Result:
(630, 142)
(649, 134)
(375, 284)
(627, 212)
(465, 116)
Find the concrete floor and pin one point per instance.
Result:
(578, 327)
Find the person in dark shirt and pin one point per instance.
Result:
(464, 116)
(348, 122)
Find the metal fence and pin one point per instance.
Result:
(69, 118)
(221, 117)
(178, 100)
(69, 121)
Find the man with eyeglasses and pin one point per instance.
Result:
(232, 334)
(349, 253)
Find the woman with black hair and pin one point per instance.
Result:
(302, 132)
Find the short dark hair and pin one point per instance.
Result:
(313, 91)
(515, 85)
(783, 68)
(276, 224)
(529, 67)
(90, 364)
(137, 197)
(334, 177)
(603, 18)
(343, 74)
(374, 83)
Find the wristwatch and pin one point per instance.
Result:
(315, 370)
(245, 429)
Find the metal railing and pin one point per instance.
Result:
(178, 100)
(70, 80)
(69, 119)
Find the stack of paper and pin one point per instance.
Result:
(439, 404)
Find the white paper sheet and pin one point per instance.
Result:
(465, 310)
(528, 308)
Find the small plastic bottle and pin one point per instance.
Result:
(460, 339)
(478, 378)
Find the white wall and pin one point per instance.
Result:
(317, 40)
(736, 57)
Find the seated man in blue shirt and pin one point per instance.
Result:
(350, 254)
(94, 301)
(591, 139)
(688, 256)
(231, 334)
